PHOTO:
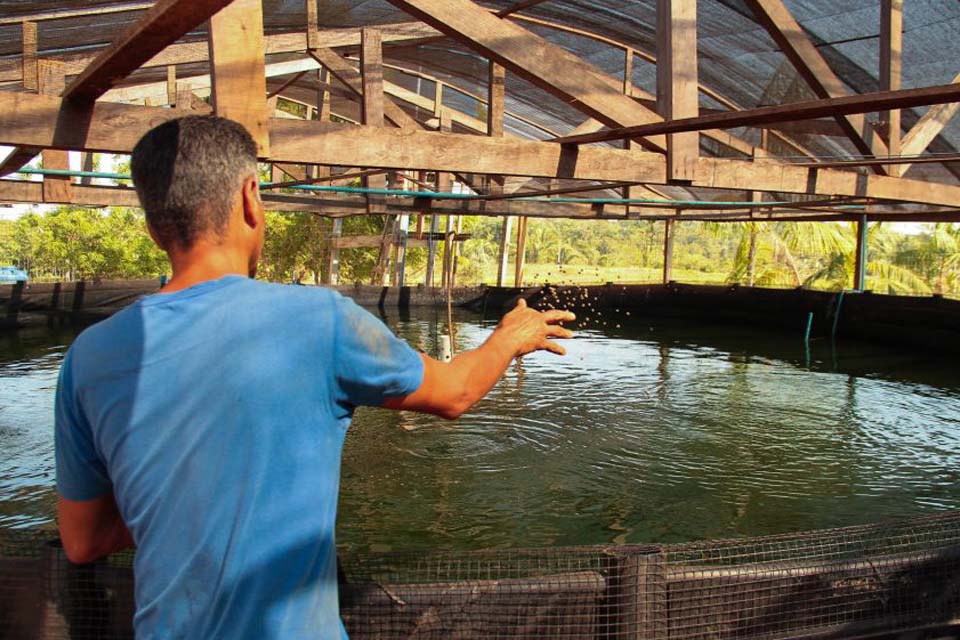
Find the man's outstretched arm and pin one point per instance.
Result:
(91, 529)
(450, 389)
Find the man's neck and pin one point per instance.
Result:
(204, 262)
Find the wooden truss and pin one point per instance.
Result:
(631, 151)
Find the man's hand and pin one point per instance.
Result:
(449, 389)
(529, 330)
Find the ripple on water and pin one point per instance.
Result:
(638, 435)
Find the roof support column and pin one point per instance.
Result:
(677, 81)
(667, 250)
(239, 85)
(860, 271)
(891, 55)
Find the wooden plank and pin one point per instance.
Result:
(533, 58)
(862, 103)
(56, 189)
(495, 100)
(519, 6)
(891, 58)
(236, 57)
(32, 120)
(172, 86)
(197, 52)
(162, 25)
(677, 81)
(774, 16)
(29, 60)
(371, 64)
(76, 13)
(313, 37)
(927, 128)
(343, 71)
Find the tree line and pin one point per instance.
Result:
(72, 243)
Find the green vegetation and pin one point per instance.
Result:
(73, 243)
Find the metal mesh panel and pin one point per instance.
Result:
(875, 579)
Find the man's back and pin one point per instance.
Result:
(217, 415)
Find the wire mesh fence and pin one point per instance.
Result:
(878, 579)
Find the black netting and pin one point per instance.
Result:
(882, 578)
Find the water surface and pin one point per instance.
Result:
(647, 432)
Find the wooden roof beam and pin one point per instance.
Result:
(774, 16)
(239, 84)
(31, 120)
(862, 103)
(162, 25)
(538, 61)
(343, 71)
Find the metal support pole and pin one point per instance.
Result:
(860, 272)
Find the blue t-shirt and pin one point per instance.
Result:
(217, 416)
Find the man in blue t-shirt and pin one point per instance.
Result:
(205, 423)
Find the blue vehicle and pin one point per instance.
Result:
(12, 275)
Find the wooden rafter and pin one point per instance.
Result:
(862, 103)
(519, 6)
(774, 16)
(529, 56)
(162, 25)
(343, 71)
(196, 52)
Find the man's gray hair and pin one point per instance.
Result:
(188, 172)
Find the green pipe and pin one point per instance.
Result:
(836, 316)
(78, 174)
(444, 195)
(806, 334)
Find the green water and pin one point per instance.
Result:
(650, 432)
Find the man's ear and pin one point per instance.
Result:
(252, 205)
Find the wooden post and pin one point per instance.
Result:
(521, 251)
(31, 81)
(628, 72)
(313, 36)
(239, 86)
(437, 99)
(677, 82)
(667, 251)
(333, 265)
(56, 189)
(172, 85)
(432, 249)
(458, 229)
(371, 76)
(448, 253)
(891, 56)
(860, 268)
(87, 165)
(503, 258)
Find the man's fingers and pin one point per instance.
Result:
(521, 304)
(553, 347)
(558, 315)
(559, 332)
